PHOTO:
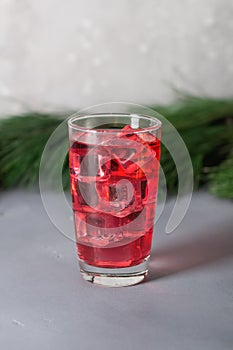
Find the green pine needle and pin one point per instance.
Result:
(221, 180)
(22, 140)
(205, 124)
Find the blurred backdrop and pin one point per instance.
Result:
(69, 54)
(59, 56)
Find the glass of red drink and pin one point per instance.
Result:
(114, 172)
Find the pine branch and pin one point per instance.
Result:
(221, 180)
(205, 124)
(22, 140)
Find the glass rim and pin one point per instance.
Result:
(76, 117)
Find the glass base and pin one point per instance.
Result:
(119, 277)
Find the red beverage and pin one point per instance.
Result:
(114, 180)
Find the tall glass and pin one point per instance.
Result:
(114, 172)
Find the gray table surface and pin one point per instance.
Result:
(187, 302)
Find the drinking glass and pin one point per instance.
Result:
(114, 172)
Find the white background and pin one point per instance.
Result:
(70, 54)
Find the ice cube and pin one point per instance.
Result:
(87, 193)
(95, 164)
(139, 154)
(123, 154)
(92, 229)
(147, 137)
(89, 157)
(116, 196)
